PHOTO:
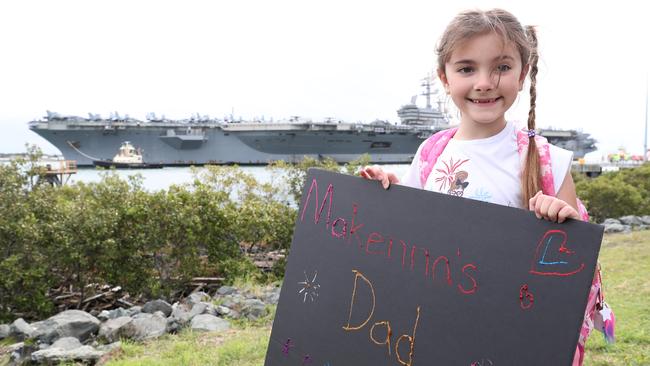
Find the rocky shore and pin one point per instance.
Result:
(75, 335)
(627, 224)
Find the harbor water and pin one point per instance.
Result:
(159, 179)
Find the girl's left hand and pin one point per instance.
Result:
(552, 208)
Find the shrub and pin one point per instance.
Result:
(609, 196)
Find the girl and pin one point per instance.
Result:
(483, 60)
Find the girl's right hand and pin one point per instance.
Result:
(376, 173)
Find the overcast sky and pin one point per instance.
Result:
(353, 60)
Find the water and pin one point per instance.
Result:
(159, 179)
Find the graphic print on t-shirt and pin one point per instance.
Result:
(459, 184)
(450, 175)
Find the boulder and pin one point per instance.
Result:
(253, 309)
(112, 328)
(21, 330)
(70, 323)
(272, 297)
(614, 228)
(196, 297)
(157, 305)
(144, 326)
(631, 220)
(5, 330)
(645, 219)
(226, 290)
(52, 355)
(209, 323)
(611, 221)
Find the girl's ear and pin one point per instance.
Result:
(522, 77)
(443, 79)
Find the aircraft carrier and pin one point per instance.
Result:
(201, 140)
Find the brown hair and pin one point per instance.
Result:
(475, 22)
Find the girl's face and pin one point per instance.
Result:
(483, 79)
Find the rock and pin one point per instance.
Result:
(18, 353)
(55, 355)
(272, 297)
(226, 290)
(144, 326)
(16, 347)
(179, 318)
(222, 310)
(5, 330)
(157, 305)
(253, 309)
(67, 343)
(614, 228)
(134, 310)
(202, 308)
(631, 220)
(70, 323)
(103, 316)
(641, 227)
(611, 221)
(112, 314)
(109, 347)
(196, 297)
(21, 330)
(112, 328)
(209, 323)
(234, 302)
(645, 219)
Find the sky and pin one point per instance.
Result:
(354, 60)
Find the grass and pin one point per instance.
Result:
(244, 346)
(625, 260)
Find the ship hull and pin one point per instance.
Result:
(218, 146)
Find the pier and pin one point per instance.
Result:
(59, 172)
(593, 170)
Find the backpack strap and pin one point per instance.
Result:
(431, 150)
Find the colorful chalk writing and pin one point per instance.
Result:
(287, 346)
(381, 245)
(526, 297)
(385, 323)
(410, 278)
(306, 360)
(560, 264)
(482, 362)
(309, 287)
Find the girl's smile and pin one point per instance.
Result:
(483, 77)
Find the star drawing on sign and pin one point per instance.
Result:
(309, 288)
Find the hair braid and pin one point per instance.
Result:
(530, 178)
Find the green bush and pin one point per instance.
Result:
(626, 192)
(115, 232)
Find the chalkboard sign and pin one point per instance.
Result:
(409, 277)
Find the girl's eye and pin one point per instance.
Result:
(503, 68)
(465, 70)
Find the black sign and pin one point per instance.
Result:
(409, 277)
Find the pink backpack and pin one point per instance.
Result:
(433, 148)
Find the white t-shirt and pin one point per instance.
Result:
(484, 169)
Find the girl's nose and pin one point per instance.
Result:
(485, 82)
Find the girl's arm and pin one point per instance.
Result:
(559, 208)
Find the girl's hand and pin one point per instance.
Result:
(376, 173)
(552, 208)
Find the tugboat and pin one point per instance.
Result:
(128, 157)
